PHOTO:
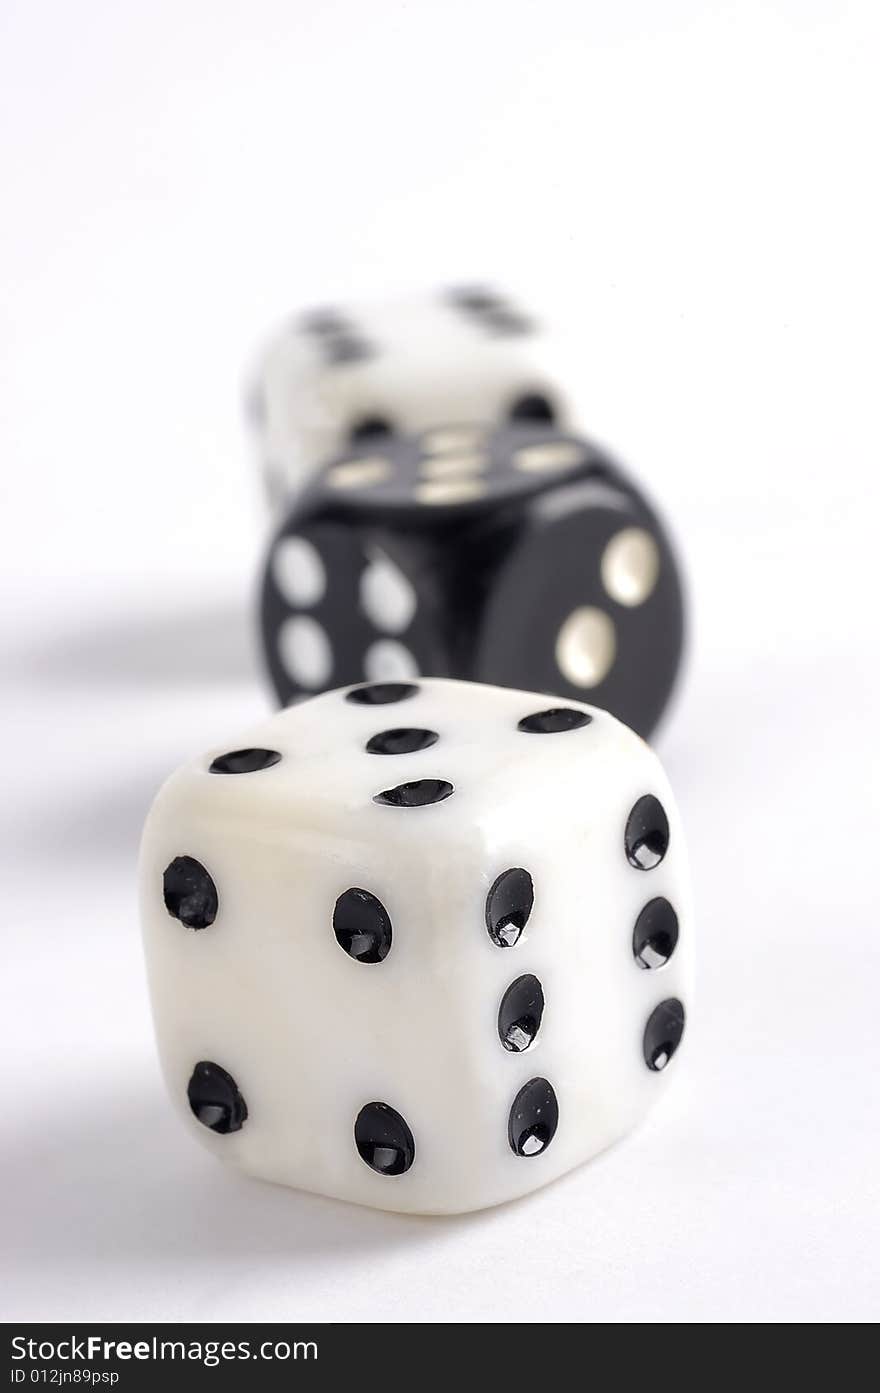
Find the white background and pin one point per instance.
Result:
(690, 189)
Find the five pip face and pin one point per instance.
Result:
(423, 946)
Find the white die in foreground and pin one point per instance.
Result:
(420, 946)
(454, 359)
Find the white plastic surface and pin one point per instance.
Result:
(431, 364)
(311, 1035)
(191, 171)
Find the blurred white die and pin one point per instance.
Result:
(334, 377)
(420, 946)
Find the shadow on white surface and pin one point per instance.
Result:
(115, 1181)
(116, 705)
(93, 825)
(207, 646)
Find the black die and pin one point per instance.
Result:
(519, 556)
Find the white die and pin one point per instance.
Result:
(419, 946)
(454, 358)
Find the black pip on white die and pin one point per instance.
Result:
(423, 945)
(339, 376)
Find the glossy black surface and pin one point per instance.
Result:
(391, 494)
(519, 1016)
(500, 552)
(384, 1140)
(554, 568)
(655, 934)
(190, 893)
(405, 740)
(215, 1099)
(508, 906)
(362, 926)
(663, 1033)
(416, 794)
(244, 761)
(381, 693)
(554, 720)
(646, 839)
(534, 1117)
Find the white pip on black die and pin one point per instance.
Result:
(422, 946)
(336, 377)
(517, 555)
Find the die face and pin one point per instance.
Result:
(519, 555)
(338, 607)
(340, 376)
(588, 603)
(454, 473)
(429, 1006)
(381, 570)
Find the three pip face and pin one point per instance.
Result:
(441, 515)
(421, 942)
